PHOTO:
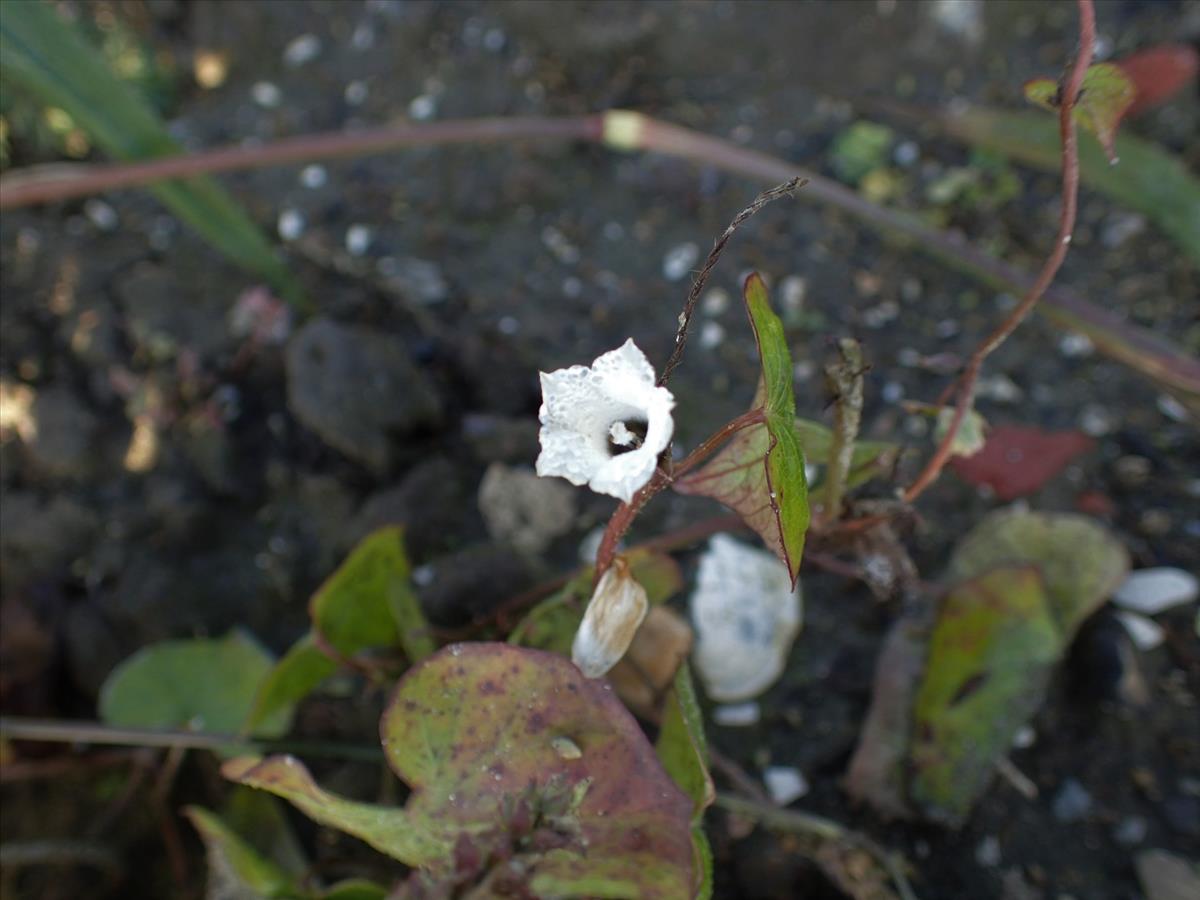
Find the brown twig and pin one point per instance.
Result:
(964, 389)
(689, 307)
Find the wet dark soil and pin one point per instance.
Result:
(468, 269)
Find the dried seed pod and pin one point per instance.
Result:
(613, 615)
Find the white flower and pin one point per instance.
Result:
(746, 616)
(613, 616)
(605, 426)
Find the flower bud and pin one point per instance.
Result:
(612, 618)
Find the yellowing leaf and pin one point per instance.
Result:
(1104, 97)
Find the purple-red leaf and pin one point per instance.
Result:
(1017, 460)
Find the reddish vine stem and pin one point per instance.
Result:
(964, 388)
(624, 515)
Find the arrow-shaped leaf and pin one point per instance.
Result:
(760, 473)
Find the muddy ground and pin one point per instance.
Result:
(475, 268)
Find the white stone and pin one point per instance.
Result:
(291, 224)
(266, 95)
(746, 617)
(301, 50)
(358, 240)
(1151, 591)
(737, 715)
(1145, 633)
(679, 260)
(785, 784)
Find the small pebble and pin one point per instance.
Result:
(893, 392)
(301, 50)
(785, 784)
(792, 291)
(679, 260)
(1025, 737)
(290, 225)
(906, 153)
(947, 328)
(356, 93)
(987, 853)
(1151, 591)
(1171, 408)
(1096, 420)
(509, 325)
(363, 37)
(613, 231)
(999, 388)
(1072, 803)
(358, 240)
(572, 287)
(422, 108)
(558, 244)
(266, 94)
(100, 214)
(878, 316)
(494, 40)
(1145, 633)
(1120, 228)
(1075, 345)
(1131, 831)
(715, 302)
(737, 715)
(711, 335)
(313, 177)
(1132, 471)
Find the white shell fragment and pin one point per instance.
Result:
(746, 617)
(785, 784)
(737, 715)
(586, 417)
(1151, 591)
(613, 615)
(1145, 633)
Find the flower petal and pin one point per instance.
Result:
(584, 408)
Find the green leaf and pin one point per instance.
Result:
(1024, 584)
(235, 869)
(292, 679)
(969, 437)
(990, 656)
(1150, 180)
(682, 748)
(760, 472)
(869, 460)
(367, 603)
(350, 610)
(860, 149)
(1081, 561)
(1104, 97)
(48, 57)
(520, 767)
(681, 745)
(203, 684)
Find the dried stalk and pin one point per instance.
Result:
(845, 381)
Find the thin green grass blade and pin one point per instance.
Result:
(49, 57)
